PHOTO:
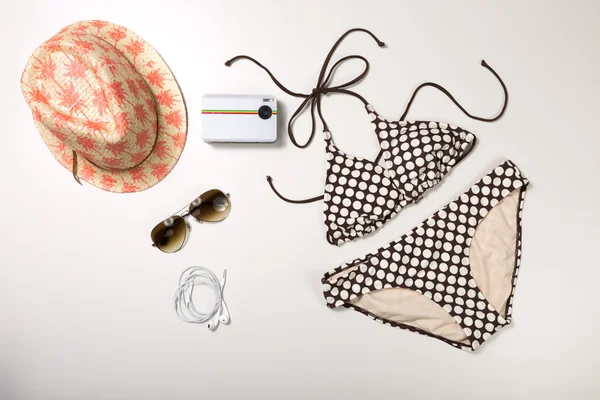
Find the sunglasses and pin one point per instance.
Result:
(171, 234)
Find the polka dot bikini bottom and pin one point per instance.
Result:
(453, 276)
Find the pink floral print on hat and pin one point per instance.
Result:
(107, 106)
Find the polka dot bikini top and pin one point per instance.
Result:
(361, 195)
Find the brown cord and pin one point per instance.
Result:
(311, 200)
(447, 93)
(314, 98)
(75, 168)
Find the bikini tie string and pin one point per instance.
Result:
(286, 199)
(312, 100)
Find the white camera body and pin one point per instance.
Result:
(239, 118)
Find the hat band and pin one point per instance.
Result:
(75, 156)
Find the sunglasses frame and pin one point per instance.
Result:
(183, 213)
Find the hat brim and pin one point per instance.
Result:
(171, 116)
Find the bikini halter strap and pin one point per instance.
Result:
(449, 95)
(313, 99)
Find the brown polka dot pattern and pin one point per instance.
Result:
(360, 195)
(433, 259)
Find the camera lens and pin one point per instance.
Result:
(265, 112)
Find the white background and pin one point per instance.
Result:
(85, 302)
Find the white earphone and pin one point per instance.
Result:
(224, 312)
(184, 305)
(213, 323)
(224, 318)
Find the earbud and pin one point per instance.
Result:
(184, 306)
(224, 318)
(222, 315)
(213, 323)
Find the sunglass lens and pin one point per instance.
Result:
(212, 206)
(169, 236)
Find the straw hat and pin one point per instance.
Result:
(107, 106)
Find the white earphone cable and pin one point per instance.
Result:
(184, 304)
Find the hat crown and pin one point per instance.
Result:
(87, 93)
